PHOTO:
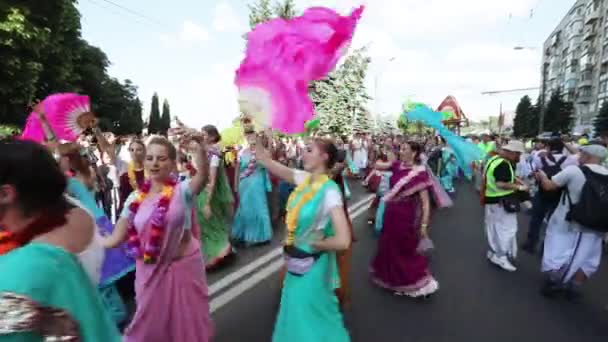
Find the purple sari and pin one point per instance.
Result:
(398, 266)
(172, 295)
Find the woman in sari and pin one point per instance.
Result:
(399, 266)
(160, 223)
(116, 263)
(317, 228)
(52, 264)
(252, 225)
(214, 205)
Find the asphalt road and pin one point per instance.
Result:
(476, 301)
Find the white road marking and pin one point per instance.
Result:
(262, 274)
(228, 280)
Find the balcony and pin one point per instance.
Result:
(585, 83)
(590, 33)
(592, 17)
(584, 98)
(589, 66)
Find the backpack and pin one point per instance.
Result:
(590, 211)
(551, 197)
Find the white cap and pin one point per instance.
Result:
(514, 146)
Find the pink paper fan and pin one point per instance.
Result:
(62, 112)
(282, 57)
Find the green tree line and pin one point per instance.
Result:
(42, 52)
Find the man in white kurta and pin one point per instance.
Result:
(572, 252)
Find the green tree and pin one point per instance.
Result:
(600, 124)
(341, 98)
(42, 52)
(521, 122)
(558, 114)
(260, 12)
(154, 123)
(165, 119)
(285, 9)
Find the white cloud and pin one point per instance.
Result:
(225, 19)
(192, 32)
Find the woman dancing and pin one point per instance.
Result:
(252, 223)
(215, 205)
(399, 266)
(159, 222)
(317, 228)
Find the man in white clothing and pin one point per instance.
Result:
(572, 251)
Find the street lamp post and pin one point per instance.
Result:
(545, 66)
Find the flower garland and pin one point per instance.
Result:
(151, 249)
(133, 178)
(8, 242)
(304, 193)
(250, 166)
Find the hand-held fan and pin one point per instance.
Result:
(67, 114)
(282, 57)
(464, 151)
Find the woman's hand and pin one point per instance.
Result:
(261, 153)
(424, 230)
(207, 211)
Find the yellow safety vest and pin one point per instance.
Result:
(492, 190)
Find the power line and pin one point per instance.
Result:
(131, 12)
(494, 92)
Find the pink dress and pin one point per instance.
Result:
(172, 295)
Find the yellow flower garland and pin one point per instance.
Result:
(293, 213)
(133, 177)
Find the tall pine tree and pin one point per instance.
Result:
(601, 120)
(154, 123)
(521, 121)
(165, 119)
(558, 114)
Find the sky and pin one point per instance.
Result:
(422, 50)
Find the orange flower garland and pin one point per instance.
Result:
(151, 250)
(133, 177)
(304, 193)
(7, 242)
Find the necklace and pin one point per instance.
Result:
(133, 177)
(303, 194)
(151, 250)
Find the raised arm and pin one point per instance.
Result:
(264, 158)
(210, 189)
(201, 161)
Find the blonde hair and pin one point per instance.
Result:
(162, 141)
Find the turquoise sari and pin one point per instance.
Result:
(309, 307)
(48, 283)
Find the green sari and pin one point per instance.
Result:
(309, 306)
(215, 236)
(45, 293)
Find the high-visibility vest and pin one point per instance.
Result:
(491, 189)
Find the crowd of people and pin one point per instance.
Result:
(147, 217)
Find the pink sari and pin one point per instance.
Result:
(172, 295)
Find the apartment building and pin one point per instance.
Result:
(575, 60)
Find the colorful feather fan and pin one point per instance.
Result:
(282, 57)
(68, 115)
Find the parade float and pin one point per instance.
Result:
(452, 115)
